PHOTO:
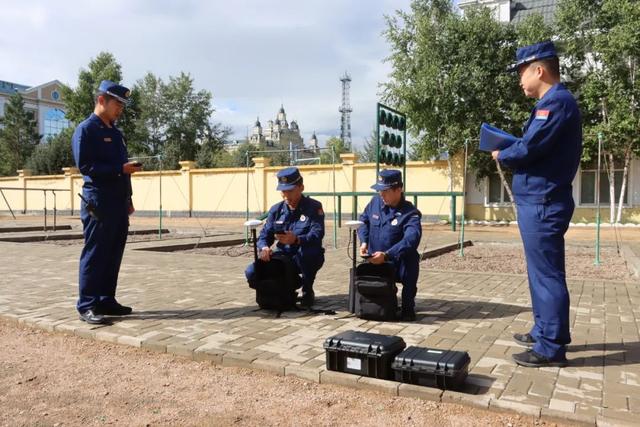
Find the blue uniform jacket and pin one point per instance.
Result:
(306, 222)
(99, 152)
(395, 231)
(545, 160)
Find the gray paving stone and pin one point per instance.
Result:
(201, 307)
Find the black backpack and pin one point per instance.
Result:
(276, 283)
(375, 291)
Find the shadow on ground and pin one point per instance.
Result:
(429, 311)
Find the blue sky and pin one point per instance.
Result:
(251, 55)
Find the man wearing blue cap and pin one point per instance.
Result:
(544, 162)
(297, 225)
(392, 232)
(101, 155)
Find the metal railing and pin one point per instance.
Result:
(44, 191)
(414, 194)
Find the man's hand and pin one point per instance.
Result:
(131, 208)
(131, 167)
(494, 154)
(287, 238)
(364, 249)
(377, 258)
(265, 254)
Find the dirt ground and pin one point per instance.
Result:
(497, 258)
(509, 258)
(62, 380)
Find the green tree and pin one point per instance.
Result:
(150, 125)
(368, 152)
(602, 50)
(212, 146)
(237, 158)
(187, 114)
(174, 122)
(18, 135)
(49, 158)
(448, 75)
(338, 148)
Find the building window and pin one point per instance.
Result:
(55, 95)
(588, 187)
(496, 193)
(54, 123)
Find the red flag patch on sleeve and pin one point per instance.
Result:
(542, 114)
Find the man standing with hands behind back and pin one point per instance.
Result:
(544, 162)
(100, 153)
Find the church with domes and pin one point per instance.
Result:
(279, 133)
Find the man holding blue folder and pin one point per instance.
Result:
(544, 163)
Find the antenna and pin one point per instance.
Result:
(345, 110)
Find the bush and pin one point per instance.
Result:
(49, 158)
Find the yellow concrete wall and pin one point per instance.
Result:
(585, 215)
(224, 191)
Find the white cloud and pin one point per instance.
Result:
(252, 55)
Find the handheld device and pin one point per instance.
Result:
(278, 228)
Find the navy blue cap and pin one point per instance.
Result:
(288, 179)
(119, 92)
(534, 52)
(388, 178)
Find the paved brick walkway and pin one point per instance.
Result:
(199, 306)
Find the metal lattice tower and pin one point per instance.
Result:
(345, 109)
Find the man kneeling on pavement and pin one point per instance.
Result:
(392, 232)
(297, 225)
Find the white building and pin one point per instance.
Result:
(43, 100)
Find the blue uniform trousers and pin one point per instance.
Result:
(542, 227)
(307, 267)
(104, 239)
(407, 270)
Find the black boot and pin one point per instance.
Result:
(526, 340)
(308, 298)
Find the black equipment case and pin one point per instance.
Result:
(276, 284)
(363, 353)
(375, 291)
(445, 369)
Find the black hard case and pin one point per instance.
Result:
(445, 369)
(363, 353)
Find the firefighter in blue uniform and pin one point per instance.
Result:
(100, 153)
(544, 163)
(392, 232)
(297, 225)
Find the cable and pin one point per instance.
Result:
(349, 245)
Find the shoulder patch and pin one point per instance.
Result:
(542, 114)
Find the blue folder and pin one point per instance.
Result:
(492, 138)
